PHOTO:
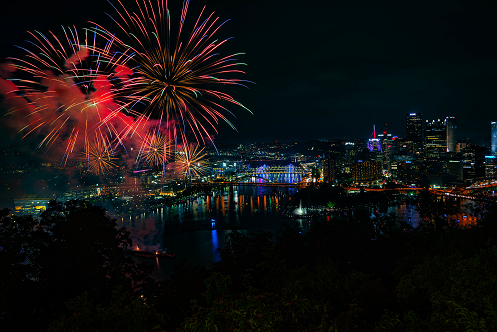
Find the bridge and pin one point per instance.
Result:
(269, 175)
(250, 176)
(259, 184)
(475, 192)
(289, 169)
(482, 187)
(466, 193)
(483, 191)
(403, 189)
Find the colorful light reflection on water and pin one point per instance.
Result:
(194, 229)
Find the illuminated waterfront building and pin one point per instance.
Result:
(451, 133)
(366, 172)
(494, 138)
(31, 204)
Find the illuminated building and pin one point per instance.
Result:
(490, 167)
(473, 159)
(451, 133)
(461, 146)
(414, 131)
(406, 172)
(386, 143)
(350, 154)
(374, 143)
(365, 172)
(31, 204)
(468, 161)
(494, 138)
(435, 138)
(414, 125)
(328, 169)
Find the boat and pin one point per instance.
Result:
(149, 254)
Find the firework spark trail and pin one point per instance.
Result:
(155, 149)
(174, 75)
(71, 88)
(99, 155)
(190, 161)
(69, 84)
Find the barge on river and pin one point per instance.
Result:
(149, 254)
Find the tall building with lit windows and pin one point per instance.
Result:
(329, 169)
(386, 142)
(494, 138)
(435, 138)
(451, 133)
(414, 131)
(490, 167)
(366, 172)
(414, 125)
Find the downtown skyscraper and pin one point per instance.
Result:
(436, 138)
(414, 131)
(414, 126)
(493, 143)
(451, 133)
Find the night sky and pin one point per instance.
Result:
(330, 70)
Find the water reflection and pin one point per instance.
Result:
(409, 214)
(215, 243)
(195, 228)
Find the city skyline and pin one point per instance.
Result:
(358, 60)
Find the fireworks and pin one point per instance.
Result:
(175, 75)
(189, 161)
(68, 84)
(99, 156)
(160, 81)
(156, 149)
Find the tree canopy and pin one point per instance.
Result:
(73, 247)
(360, 272)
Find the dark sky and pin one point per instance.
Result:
(330, 69)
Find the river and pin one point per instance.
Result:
(195, 229)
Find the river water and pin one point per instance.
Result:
(193, 230)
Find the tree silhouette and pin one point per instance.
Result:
(73, 247)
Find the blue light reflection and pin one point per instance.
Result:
(215, 244)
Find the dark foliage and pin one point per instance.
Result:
(71, 248)
(361, 273)
(355, 274)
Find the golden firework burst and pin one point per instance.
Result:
(156, 149)
(189, 160)
(99, 157)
